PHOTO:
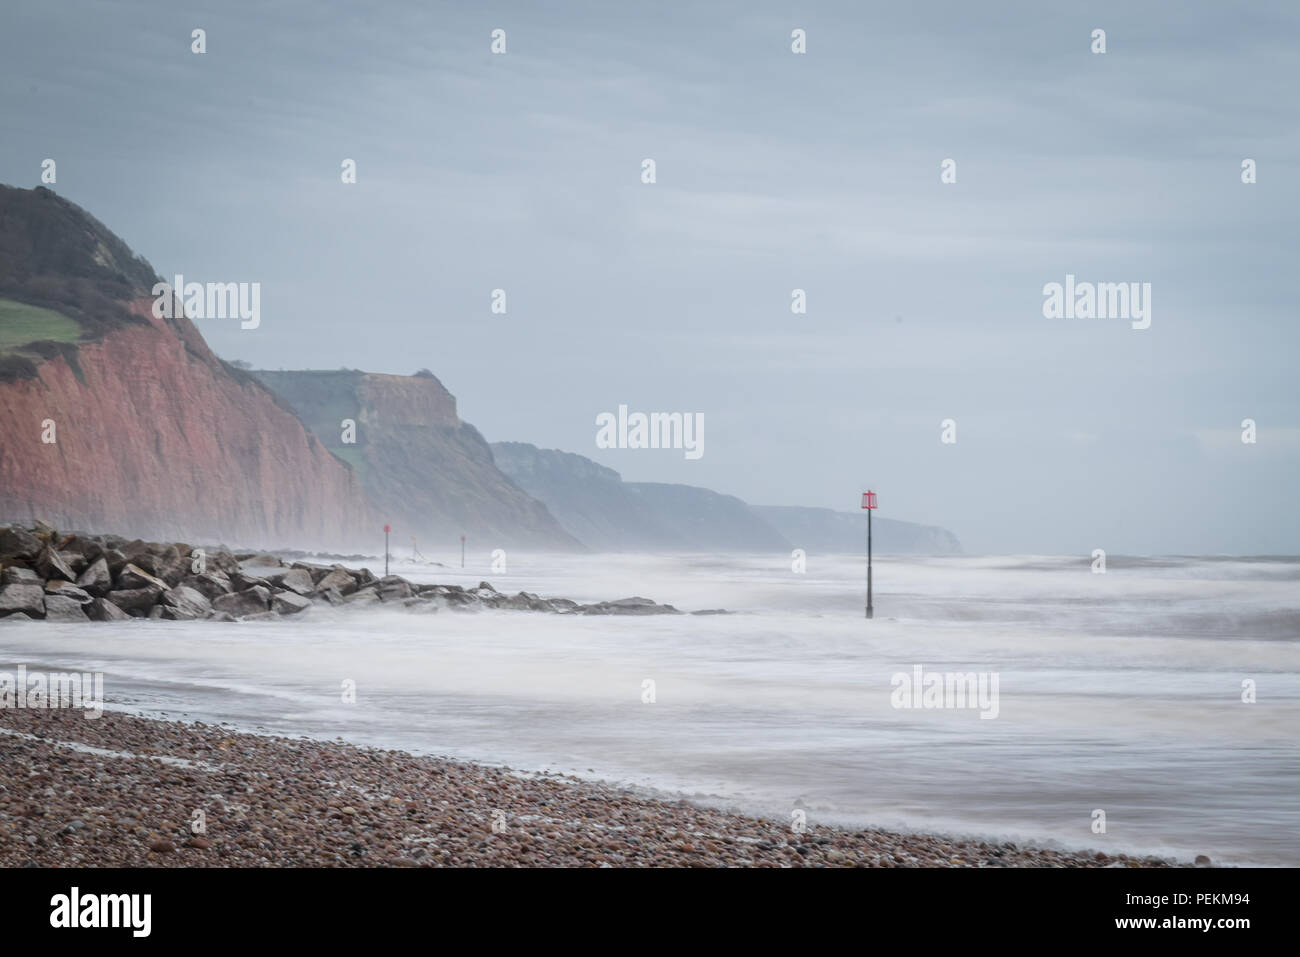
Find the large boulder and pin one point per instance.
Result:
(488, 595)
(101, 609)
(133, 576)
(338, 579)
(66, 590)
(210, 584)
(70, 551)
(629, 606)
(223, 562)
(96, 579)
(52, 565)
(174, 566)
(527, 601)
(250, 601)
(63, 608)
(17, 542)
(289, 603)
(394, 588)
(317, 572)
(116, 561)
(365, 596)
(241, 581)
(136, 552)
(18, 575)
(453, 595)
(183, 603)
(135, 601)
(25, 598)
(90, 547)
(296, 580)
(331, 596)
(161, 561)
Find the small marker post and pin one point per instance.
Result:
(387, 529)
(869, 503)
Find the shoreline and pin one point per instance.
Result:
(48, 576)
(125, 791)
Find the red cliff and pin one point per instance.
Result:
(154, 435)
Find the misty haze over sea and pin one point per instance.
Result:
(1119, 691)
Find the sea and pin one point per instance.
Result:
(1163, 693)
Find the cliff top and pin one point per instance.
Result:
(64, 276)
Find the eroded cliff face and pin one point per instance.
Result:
(427, 472)
(155, 437)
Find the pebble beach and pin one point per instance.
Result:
(131, 791)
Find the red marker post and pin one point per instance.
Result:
(387, 529)
(869, 503)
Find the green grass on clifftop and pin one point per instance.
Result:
(21, 324)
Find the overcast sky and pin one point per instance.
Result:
(775, 171)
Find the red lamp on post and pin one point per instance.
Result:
(869, 503)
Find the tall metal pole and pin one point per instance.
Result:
(385, 551)
(869, 609)
(462, 551)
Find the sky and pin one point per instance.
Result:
(774, 171)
